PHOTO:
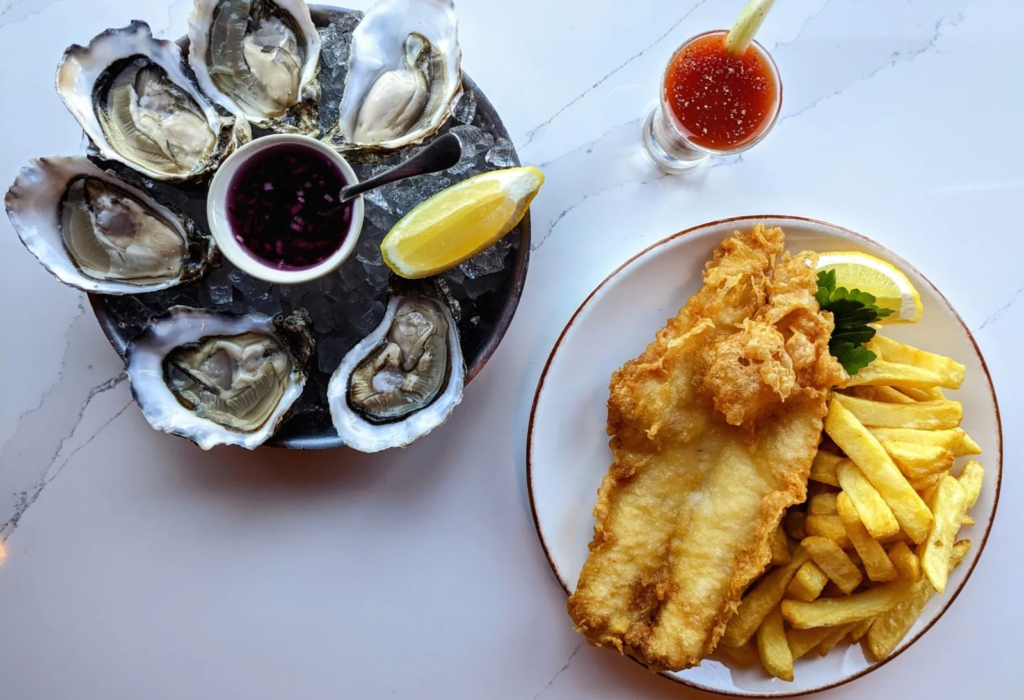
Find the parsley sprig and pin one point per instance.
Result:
(852, 310)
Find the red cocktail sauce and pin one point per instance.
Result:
(719, 101)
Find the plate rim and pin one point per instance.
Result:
(753, 218)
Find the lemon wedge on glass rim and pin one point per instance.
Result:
(889, 286)
(460, 222)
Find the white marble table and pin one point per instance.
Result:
(138, 566)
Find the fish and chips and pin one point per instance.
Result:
(708, 537)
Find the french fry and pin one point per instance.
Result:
(923, 415)
(871, 507)
(876, 562)
(931, 394)
(925, 484)
(948, 506)
(956, 440)
(867, 453)
(745, 655)
(829, 526)
(890, 627)
(882, 373)
(967, 447)
(905, 561)
(794, 524)
(948, 439)
(859, 629)
(802, 641)
(889, 350)
(823, 468)
(808, 582)
(918, 461)
(834, 637)
(886, 394)
(971, 477)
(757, 603)
(776, 657)
(829, 612)
(780, 547)
(822, 504)
(900, 536)
(834, 562)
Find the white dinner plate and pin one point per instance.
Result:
(568, 454)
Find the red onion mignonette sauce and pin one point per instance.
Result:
(283, 207)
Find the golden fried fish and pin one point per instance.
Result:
(713, 428)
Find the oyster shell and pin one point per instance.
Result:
(97, 233)
(259, 59)
(401, 381)
(131, 95)
(404, 74)
(219, 379)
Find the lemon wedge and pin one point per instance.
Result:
(460, 222)
(889, 286)
(750, 20)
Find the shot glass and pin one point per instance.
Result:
(672, 145)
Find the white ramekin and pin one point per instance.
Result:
(220, 226)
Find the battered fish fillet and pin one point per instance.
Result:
(713, 431)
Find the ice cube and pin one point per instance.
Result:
(320, 311)
(473, 139)
(488, 262)
(501, 155)
(266, 303)
(220, 287)
(381, 219)
(249, 286)
(369, 319)
(465, 109)
(368, 252)
(329, 353)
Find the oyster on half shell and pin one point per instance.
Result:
(131, 95)
(259, 59)
(219, 379)
(97, 233)
(401, 381)
(404, 74)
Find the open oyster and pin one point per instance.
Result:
(401, 381)
(259, 59)
(95, 232)
(219, 379)
(404, 74)
(134, 100)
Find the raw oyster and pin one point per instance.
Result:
(404, 74)
(259, 59)
(131, 95)
(219, 379)
(401, 381)
(95, 232)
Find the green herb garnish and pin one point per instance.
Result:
(852, 310)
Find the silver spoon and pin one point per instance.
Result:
(442, 154)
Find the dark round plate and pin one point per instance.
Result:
(485, 291)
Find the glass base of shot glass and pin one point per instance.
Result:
(665, 149)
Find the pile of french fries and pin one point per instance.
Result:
(876, 537)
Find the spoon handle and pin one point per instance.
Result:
(442, 154)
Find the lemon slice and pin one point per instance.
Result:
(750, 20)
(890, 287)
(460, 222)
